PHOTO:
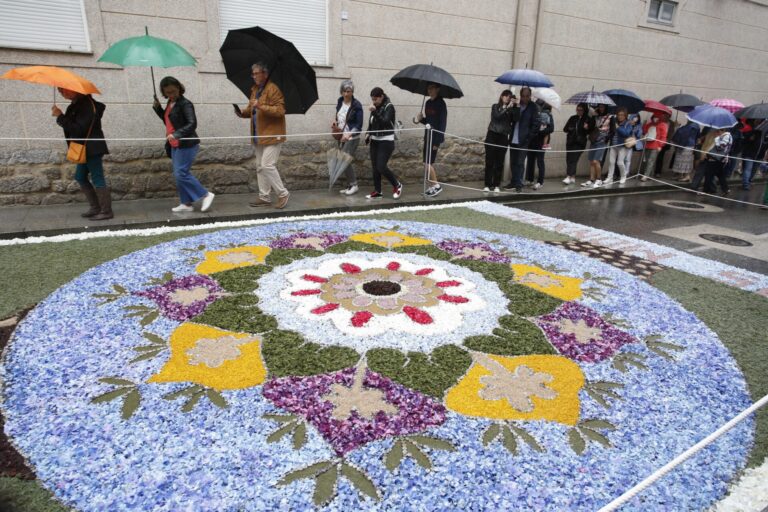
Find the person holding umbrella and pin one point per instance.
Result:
(715, 159)
(381, 137)
(525, 124)
(349, 119)
(266, 109)
(598, 140)
(656, 132)
(436, 115)
(576, 130)
(497, 141)
(181, 144)
(82, 123)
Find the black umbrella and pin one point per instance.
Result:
(416, 78)
(627, 99)
(287, 68)
(756, 111)
(681, 101)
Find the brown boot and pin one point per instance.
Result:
(90, 195)
(105, 201)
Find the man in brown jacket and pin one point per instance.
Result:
(267, 113)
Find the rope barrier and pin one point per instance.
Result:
(700, 193)
(687, 454)
(705, 152)
(532, 150)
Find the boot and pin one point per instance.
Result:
(90, 195)
(105, 200)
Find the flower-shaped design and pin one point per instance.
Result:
(560, 287)
(478, 251)
(213, 357)
(303, 240)
(348, 420)
(227, 259)
(580, 333)
(389, 239)
(183, 298)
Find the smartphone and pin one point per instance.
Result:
(237, 108)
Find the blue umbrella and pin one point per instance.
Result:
(627, 99)
(525, 77)
(713, 117)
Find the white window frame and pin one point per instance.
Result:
(23, 45)
(326, 61)
(657, 19)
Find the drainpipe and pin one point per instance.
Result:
(526, 32)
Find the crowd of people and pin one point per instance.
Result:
(522, 127)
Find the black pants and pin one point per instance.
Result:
(494, 158)
(572, 159)
(381, 150)
(714, 169)
(535, 158)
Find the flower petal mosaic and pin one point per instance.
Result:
(363, 365)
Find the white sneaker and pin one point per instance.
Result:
(623, 180)
(536, 186)
(352, 189)
(207, 202)
(567, 180)
(528, 183)
(183, 208)
(607, 182)
(497, 190)
(486, 189)
(587, 183)
(598, 183)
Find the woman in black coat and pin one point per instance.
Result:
(497, 141)
(82, 123)
(577, 130)
(182, 144)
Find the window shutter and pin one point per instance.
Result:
(44, 25)
(302, 22)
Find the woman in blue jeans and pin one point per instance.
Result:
(182, 144)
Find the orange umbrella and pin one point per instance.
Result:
(51, 75)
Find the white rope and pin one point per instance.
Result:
(564, 192)
(700, 193)
(687, 454)
(706, 152)
(532, 150)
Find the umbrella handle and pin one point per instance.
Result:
(54, 95)
(154, 89)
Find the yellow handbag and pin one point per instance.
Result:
(76, 151)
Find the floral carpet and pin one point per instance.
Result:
(370, 364)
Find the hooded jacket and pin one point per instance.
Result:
(77, 119)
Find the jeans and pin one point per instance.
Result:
(94, 168)
(494, 158)
(189, 189)
(572, 158)
(516, 160)
(381, 150)
(618, 156)
(747, 168)
(535, 158)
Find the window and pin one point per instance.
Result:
(44, 25)
(302, 22)
(662, 11)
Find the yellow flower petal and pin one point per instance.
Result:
(563, 377)
(227, 259)
(213, 358)
(389, 239)
(561, 287)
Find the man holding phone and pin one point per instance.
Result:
(266, 109)
(525, 117)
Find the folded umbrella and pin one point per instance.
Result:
(147, 51)
(287, 67)
(415, 79)
(627, 99)
(525, 77)
(548, 95)
(338, 161)
(656, 107)
(756, 111)
(591, 98)
(713, 117)
(683, 102)
(728, 104)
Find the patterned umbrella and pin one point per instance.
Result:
(525, 77)
(591, 98)
(728, 104)
(713, 117)
(657, 107)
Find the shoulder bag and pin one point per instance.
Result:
(76, 151)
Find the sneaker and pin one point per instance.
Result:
(282, 201)
(623, 181)
(598, 183)
(207, 202)
(486, 189)
(183, 208)
(437, 190)
(519, 190)
(352, 189)
(509, 186)
(644, 178)
(397, 191)
(607, 182)
(567, 180)
(374, 195)
(546, 146)
(587, 183)
(497, 190)
(259, 202)
(536, 186)
(430, 192)
(528, 183)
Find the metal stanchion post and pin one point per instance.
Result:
(428, 155)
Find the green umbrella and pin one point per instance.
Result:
(148, 51)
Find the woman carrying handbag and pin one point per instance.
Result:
(346, 128)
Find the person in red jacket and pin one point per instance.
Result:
(656, 132)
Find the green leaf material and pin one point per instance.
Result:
(597, 424)
(659, 352)
(597, 397)
(237, 313)
(621, 361)
(154, 338)
(136, 308)
(354, 246)
(425, 250)
(577, 442)
(307, 472)
(116, 382)
(192, 402)
(508, 440)
(216, 398)
(281, 432)
(282, 418)
(167, 276)
(119, 289)
(603, 384)
(433, 442)
(110, 395)
(517, 336)
(491, 433)
(146, 355)
(242, 279)
(663, 344)
(188, 391)
(149, 318)
(394, 456)
(286, 353)
(137, 313)
(596, 436)
(431, 374)
(325, 486)
(131, 403)
(360, 480)
(528, 438)
(285, 256)
(419, 456)
(300, 436)
(147, 348)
